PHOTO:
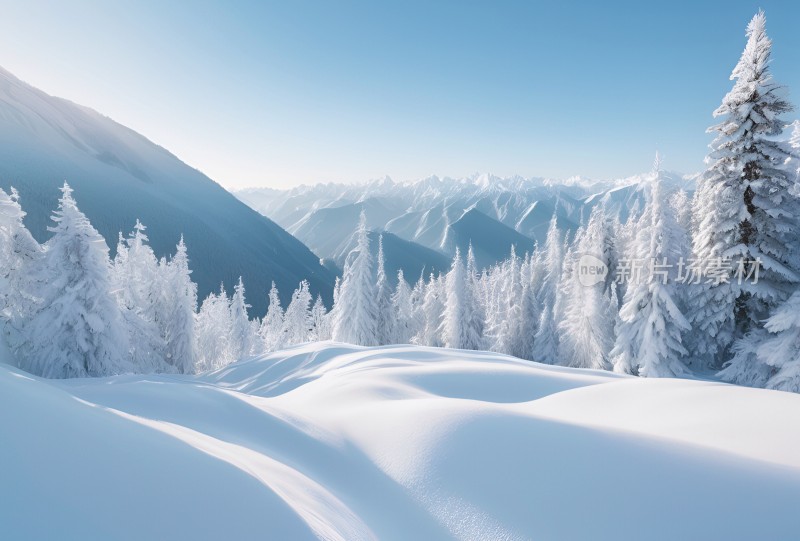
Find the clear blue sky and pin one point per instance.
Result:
(280, 93)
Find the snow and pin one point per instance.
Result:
(331, 441)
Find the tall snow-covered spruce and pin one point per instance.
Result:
(461, 325)
(181, 309)
(355, 316)
(78, 330)
(587, 327)
(271, 328)
(20, 255)
(649, 335)
(745, 210)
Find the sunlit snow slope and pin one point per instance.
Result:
(337, 442)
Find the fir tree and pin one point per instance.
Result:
(320, 321)
(78, 329)
(139, 291)
(355, 314)
(384, 292)
(780, 351)
(461, 327)
(271, 329)
(242, 341)
(651, 324)
(20, 256)
(745, 205)
(181, 309)
(213, 332)
(403, 311)
(587, 328)
(298, 323)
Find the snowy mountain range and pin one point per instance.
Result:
(442, 214)
(119, 176)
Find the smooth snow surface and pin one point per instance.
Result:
(328, 441)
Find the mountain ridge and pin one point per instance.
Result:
(120, 175)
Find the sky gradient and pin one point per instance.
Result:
(282, 93)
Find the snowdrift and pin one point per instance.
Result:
(327, 441)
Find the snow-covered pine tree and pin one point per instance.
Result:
(461, 327)
(746, 208)
(213, 332)
(20, 254)
(355, 314)
(243, 341)
(320, 321)
(78, 328)
(545, 342)
(140, 289)
(431, 311)
(587, 328)
(180, 313)
(545, 346)
(473, 279)
(297, 322)
(384, 292)
(524, 326)
(780, 351)
(651, 323)
(271, 329)
(504, 333)
(403, 312)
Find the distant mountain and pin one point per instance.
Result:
(413, 258)
(119, 176)
(491, 240)
(442, 213)
(328, 231)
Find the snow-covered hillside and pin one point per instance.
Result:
(329, 441)
(119, 176)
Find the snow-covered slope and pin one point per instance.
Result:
(119, 176)
(328, 441)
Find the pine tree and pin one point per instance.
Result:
(779, 352)
(213, 332)
(403, 312)
(745, 205)
(384, 292)
(297, 322)
(651, 323)
(545, 346)
(242, 338)
(508, 310)
(20, 255)
(460, 327)
(587, 328)
(139, 290)
(180, 314)
(522, 330)
(320, 321)
(545, 342)
(77, 330)
(355, 314)
(431, 310)
(271, 329)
